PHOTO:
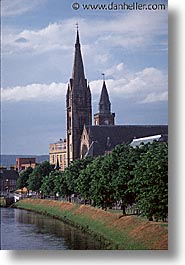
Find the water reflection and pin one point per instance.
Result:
(27, 230)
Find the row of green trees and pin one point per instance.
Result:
(32, 179)
(127, 176)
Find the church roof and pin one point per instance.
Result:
(105, 138)
(94, 149)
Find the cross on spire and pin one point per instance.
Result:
(77, 34)
(103, 75)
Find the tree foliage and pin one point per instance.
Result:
(48, 184)
(72, 173)
(60, 185)
(126, 157)
(127, 175)
(151, 182)
(22, 180)
(37, 175)
(101, 188)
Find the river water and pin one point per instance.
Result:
(21, 229)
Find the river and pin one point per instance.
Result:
(21, 229)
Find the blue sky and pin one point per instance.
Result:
(130, 47)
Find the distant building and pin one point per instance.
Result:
(8, 179)
(57, 154)
(23, 163)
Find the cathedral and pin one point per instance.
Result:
(84, 139)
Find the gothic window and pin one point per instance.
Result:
(84, 150)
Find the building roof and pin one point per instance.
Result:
(61, 141)
(149, 139)
(25, 160)
(94, 149)
(106, 137)
(8, 174)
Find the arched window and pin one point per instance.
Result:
(84, 150)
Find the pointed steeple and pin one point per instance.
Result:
(104, 116)
(77, 38)
(78, 69)
(104, 104)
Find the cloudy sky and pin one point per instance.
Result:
(38, 38)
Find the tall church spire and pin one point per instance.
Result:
(77, 38)
(78, 68)
(78, 104)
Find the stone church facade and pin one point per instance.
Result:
(83, 138)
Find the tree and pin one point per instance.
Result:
(22, 180)
(60, 184)
(84, 180)
(125, 158)
(150, 183)
(48, 184)
(72, 173)
(39, 172)
(101, 189)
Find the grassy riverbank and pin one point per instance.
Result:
(119, 232)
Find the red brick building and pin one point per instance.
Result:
(23, 163)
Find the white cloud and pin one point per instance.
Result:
(49, 38)
(117, 71)
(146, 86)
(133, 30)
(35, 92)
(136, 30)
(47, 52)
(17, 7)
(155, 97)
